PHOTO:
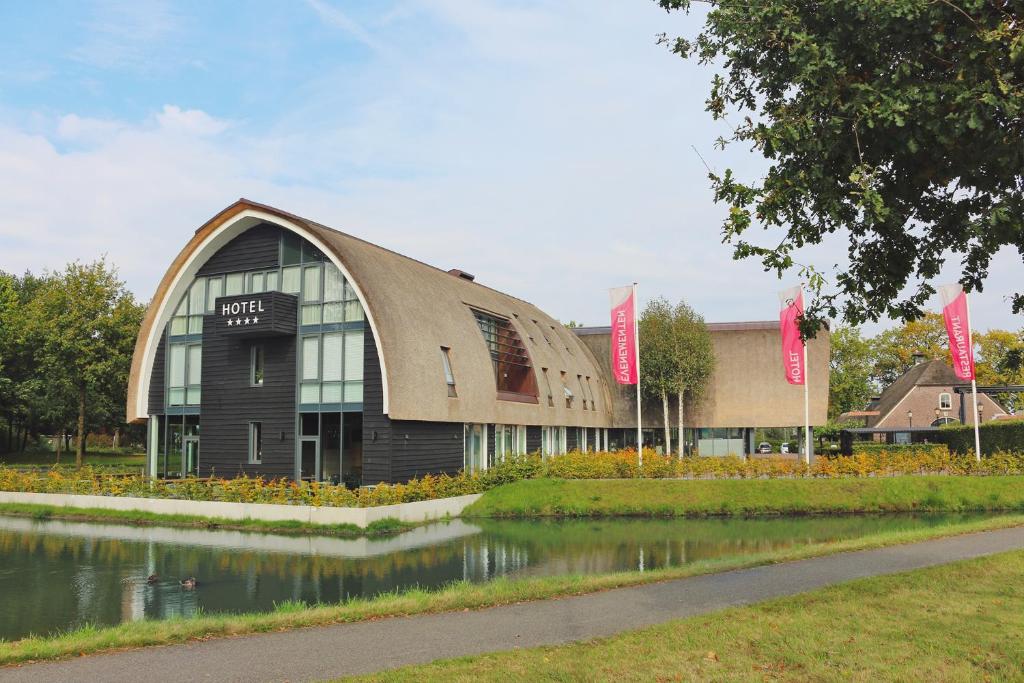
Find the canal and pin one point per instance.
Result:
(58, 575)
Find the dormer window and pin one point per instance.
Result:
(513, 371)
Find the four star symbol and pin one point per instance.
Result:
(238, 321)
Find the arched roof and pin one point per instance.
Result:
(413, 309)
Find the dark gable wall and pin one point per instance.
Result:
(394, 450)
(156, 378)
(254, 249)
(229, 404)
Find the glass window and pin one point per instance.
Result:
(193, 396)
(332, 392)
(176, 366)
(547, 385)
(256, 373)
(334, 283)
(311, 283)
(945, 401)
(333, 313)
(179, 323)
(257, 283)
(195, 364)
(234, 284)
(332, 357)
(311, 314)
(353, 392)
(197, 296)
(272, 281)
(310, 253)
(475, 457)
(310, 358)
(291, 249)
(214, 289)
(309, 392)
(176, 396)
(195, 324)
(255, 442)
(354, 355)
(291, 280)
(353, 311)
(449, 377)
(310, 424)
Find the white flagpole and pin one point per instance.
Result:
(807, 410)
(636, 342)
(974, 383)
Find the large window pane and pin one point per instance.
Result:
(179, 325)
(176, 366)
(311, 358)
(257, 282)
(193, 396)
(291, 249)
(332, 357)
(197, 296)
(311, 283)
(354, 355)
(290, 280)
(311, 314)
(353, 311)
(272, 281)
(332, 392)
(353, 392)
(195, 363)
(309, 393)
(334, 283)
(214, 289)
(176, 397)
(333, 313)
(195, 324)
(234, 284)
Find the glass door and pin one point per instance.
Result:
(309, 456)
(190, 455)
(476, 448)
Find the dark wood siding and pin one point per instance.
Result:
(156, 378)
(229, 404)
(532, 439)
(254, 249)
(376, 425)
(419, 448)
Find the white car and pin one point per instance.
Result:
(784, 448)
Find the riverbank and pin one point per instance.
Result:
(679, 498)
(456, 597)
(897, 627)
(383, 527)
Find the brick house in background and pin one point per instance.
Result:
(923, 396)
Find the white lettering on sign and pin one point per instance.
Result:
(795, 367)
(236, 308)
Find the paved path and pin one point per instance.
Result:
(330, 651)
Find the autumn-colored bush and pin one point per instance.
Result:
(573, 465)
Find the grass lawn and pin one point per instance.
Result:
(46, 459)
(674, 497)
(458, 596)
(958, 622)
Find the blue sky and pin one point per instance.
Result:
(547, 147)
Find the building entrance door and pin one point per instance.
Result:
(309, 458)
(190, 456)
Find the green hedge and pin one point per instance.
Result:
(995, 436)
(871, 448)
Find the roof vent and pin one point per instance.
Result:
(918, 358)
(462, 274)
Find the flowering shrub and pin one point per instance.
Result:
(574, 465)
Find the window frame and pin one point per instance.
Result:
(948, 403)
(449, 373)
(257, 353)
(255, 442)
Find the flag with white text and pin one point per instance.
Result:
(623, 337)
(791, 308)
(958, 327)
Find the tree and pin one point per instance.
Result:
(658, 362)
(894, 125)
(851, 363)
(894, 348)
(694, 360)
(1000, 360)
(85, 322)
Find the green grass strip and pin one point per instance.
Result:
(746, 497)
(457, 596)
(383, 527)
(956, 622)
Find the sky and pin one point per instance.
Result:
(549, 148)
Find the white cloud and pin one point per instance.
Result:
(189, 121)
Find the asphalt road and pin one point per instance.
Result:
(331, 651)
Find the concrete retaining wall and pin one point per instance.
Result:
(420, 511)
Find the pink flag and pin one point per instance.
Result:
(624, 360)
(958, 327)
(792, 307)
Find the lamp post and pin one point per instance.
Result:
(910, 417)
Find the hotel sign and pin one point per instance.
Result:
(255, 315)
